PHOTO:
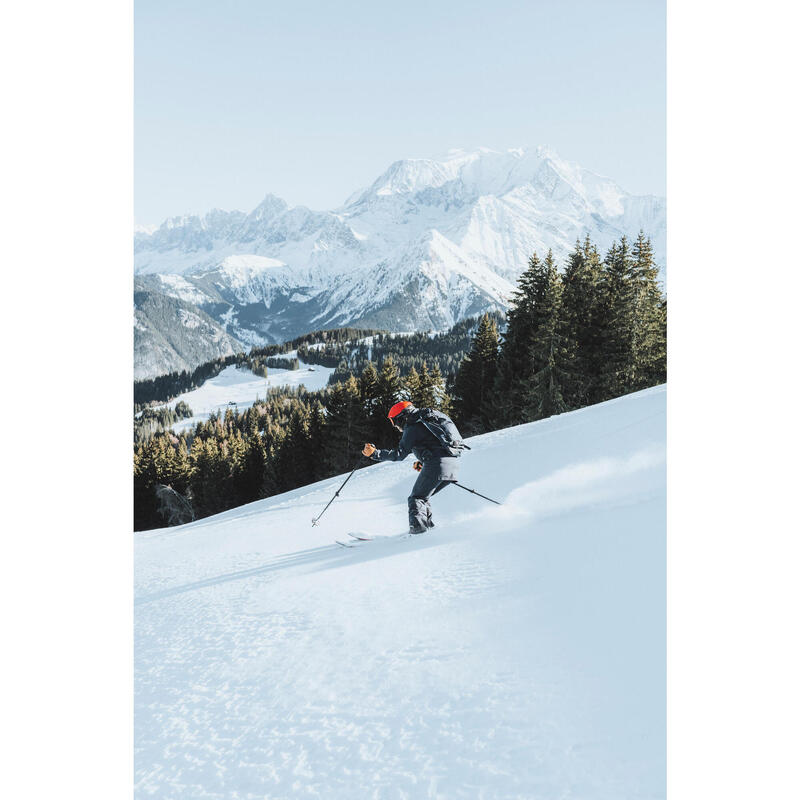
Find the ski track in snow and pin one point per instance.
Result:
(512, 652)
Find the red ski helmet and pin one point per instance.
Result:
(399, 408)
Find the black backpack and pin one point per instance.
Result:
(444, 429)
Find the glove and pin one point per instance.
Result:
(368, 450)
(418, 466)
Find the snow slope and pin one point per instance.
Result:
(239, 388)
(512, 652)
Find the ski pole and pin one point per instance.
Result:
(467, 489)
(315, 520)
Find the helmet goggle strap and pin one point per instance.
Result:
(398, 418)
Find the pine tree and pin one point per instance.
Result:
(369, 386)
(316, 437)
(616, 324)
(544, 396)
(180, 480)
(441, 399)
(475, 380)
(528, 385)
(374, 415)
(202, 458)
(346, 428)
(650, 321)
(412, 387)
(580, 356)
(250, 478)
(426, 394)
(145, 514)
(294, 465)
(388, 393)
(515, 364)
(234, 457)
(273, 443)
(230, 452)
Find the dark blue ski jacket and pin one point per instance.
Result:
(416, 439)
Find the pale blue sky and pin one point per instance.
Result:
(313, 100)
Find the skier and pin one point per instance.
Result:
(436, 442)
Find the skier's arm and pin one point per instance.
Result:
(399, 453)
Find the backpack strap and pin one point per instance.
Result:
(439, 432)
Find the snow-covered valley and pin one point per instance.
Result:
(238, 389)
(512, 652)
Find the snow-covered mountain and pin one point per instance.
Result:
(427, 244)
(171, 334)
(511, 652)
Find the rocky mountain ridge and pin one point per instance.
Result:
(430, 242)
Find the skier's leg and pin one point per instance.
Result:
(419, 510)
(441, 486)
(448, 472)
(438, 489)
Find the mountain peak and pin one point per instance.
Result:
(479, 171)
(269, 207)
(431, 241)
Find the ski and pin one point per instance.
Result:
(359, 538)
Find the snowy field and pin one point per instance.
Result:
(238, 388)
(512, 652)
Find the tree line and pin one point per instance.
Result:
(445, 350)
(347, 349)
(291, 438)
(167, 387)
(150, 421)
(260, 365)
(595, 331)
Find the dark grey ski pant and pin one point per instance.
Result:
(436, 474)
